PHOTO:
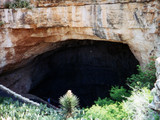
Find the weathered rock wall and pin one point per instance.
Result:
(52, 3)
(29, 32)
(155, 105)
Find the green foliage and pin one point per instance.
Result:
(107, 109)
(107, 112)
(119, 93)
(145, 77)
(15, 110)
(1, 23)
(134, 108)
(18, 4)
(103, 102)
(69, 104)
(137, 105)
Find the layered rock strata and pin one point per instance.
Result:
(26, 33)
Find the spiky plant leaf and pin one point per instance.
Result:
(69, 104)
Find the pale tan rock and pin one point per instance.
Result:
(155, 105)
(51, 3)
(26, 30)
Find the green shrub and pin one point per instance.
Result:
(69, 104)
(103, 102)
(119, 93)
(145, 77)
(137, 105)
(107, 112)
(18, 4)
(134, 107)
(16, 111)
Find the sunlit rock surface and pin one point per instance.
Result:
(29, 32)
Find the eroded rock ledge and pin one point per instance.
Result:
(27, 33)
(53, 3)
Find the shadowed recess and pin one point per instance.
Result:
(88, 68)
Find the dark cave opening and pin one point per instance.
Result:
(88, 68)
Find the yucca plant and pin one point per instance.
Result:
(69, 104)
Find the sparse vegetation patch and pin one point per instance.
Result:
(1, 23)
(18, 4)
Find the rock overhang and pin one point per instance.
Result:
(134, 23)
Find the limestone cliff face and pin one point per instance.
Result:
(29, 32)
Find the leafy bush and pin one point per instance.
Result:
(137, 105)
(103, 102)
(145, 77)
(18, 4)
(15, 110)
(107, 112)
(134, 108)
(119, 93)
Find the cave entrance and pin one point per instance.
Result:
(88, 68)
